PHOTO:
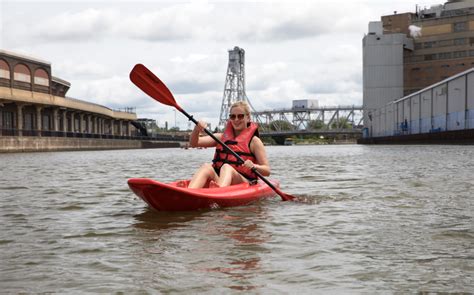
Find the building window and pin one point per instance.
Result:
(460, 41)
(8, 120)
(445, 66)
(28, 119)
(41, 77)
(4, 70)
(460, 27)
(471, 41)
(471, 52)
(429, 44)
(418, 46)
(430, 56)
(22, 73)
(443, 43)
(459, 54)
(415, 58)
(444, 55)
(415, 69)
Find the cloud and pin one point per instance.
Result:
(179, 21)
(74, 26)
(87, 69)
(182, 21)
(115, 92)
(284, 21)
(191, 86)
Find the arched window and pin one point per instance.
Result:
(41, 77)
(22, 73)
(4, 70)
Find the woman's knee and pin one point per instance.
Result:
(227, 167)
(207, 167)
(208, 170)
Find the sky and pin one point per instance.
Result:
(293, 49)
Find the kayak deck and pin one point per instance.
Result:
(175, 196)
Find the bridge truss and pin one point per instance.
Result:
(339, 119)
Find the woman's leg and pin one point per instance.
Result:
(200, 178)
(228, 175)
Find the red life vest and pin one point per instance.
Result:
(240, 145)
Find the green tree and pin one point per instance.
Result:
(281, 125)
(341, 123)
(316, 124)
(174, 129)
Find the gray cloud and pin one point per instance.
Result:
(191, 86)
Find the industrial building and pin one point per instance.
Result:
(418, 75)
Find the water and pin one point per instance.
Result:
(371, 219)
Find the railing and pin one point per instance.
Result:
(47, 133)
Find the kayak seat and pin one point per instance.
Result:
(182, 183)
(213, 184)
(253, 182)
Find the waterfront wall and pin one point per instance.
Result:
(46, 144)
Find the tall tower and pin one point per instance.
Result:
(234, 89)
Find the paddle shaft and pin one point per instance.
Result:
(191, 118)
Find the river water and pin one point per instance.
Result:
(370, 219)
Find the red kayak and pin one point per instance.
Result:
(175, 196)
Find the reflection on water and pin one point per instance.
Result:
(149, 219)
(381, 219)
(234, 232)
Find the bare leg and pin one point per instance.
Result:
(228, 175)
(205, 172)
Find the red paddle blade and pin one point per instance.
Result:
(284, 197)
(287, 197)
(144, 79)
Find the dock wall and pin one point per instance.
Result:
(13, 144)
(446, 137)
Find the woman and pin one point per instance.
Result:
(241, 136)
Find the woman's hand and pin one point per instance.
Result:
(196, 140)
(201, 125)
(249, 164)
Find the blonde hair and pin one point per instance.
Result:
(241, 104)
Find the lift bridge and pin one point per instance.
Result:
(286, 122)
(345, 120)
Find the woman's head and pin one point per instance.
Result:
(239, 114)
(243, 105)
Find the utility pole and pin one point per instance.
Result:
(174, 119)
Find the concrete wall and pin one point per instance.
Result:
(382, 75)
(45, 144)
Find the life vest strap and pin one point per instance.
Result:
(226, 161)
(238, 153)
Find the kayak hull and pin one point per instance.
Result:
(175, 196)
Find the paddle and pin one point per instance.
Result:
(151, 85)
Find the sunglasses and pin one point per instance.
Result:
(234, 116)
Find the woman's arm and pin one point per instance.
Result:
(258, 149)
(195, 140)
